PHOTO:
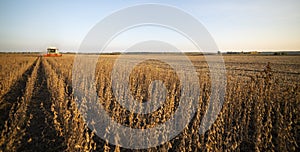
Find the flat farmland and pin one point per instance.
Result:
(39, 111)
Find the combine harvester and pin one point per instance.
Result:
(52, 52)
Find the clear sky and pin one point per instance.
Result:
(33, 25)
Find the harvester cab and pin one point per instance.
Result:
(52, 52)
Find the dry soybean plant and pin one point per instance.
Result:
(260, 111)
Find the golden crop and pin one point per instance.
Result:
(39, 111)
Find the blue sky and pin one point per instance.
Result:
(32, 25)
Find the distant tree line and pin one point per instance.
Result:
(280, 53)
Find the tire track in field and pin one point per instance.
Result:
(41, 134)
(14, 95)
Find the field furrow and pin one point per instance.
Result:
(17, 121)
(12, 70)
(67, 116)
(41, 134)
(15, 94)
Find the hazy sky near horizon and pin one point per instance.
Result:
(234, 24)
